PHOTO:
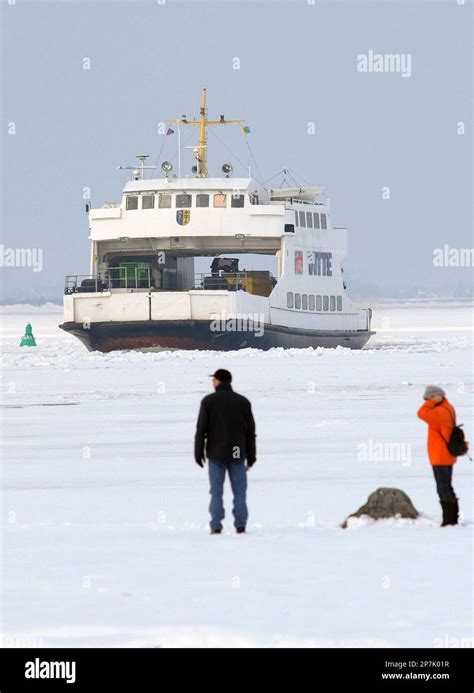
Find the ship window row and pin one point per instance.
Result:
(311, 302)
(183, 201)
(311, 220)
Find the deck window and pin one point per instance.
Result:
(298, 262)
(289, 228)
(319, 302)
(304, 302)
(339, 303)
(148, 201)
(303, 219)
(164, 201)
(316, 220)
(237, 201)
(220, 200)
(297, 301)
(311, 302)
(309, 220)
(324, 223)
(296, 218)
(132, 202)
(289, 299)
(332, 303)
(325, 302)
(202, 200)
(183, 200)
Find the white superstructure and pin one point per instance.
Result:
(143, 253)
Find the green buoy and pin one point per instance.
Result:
(28, 338)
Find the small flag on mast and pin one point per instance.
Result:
(245, 129)
(170, 131)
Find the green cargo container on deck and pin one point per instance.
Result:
(132, 273)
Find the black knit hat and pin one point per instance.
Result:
(222, 375)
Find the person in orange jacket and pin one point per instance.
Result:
(440, 416)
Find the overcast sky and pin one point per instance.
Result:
(298, 64)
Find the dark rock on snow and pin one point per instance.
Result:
(386, 502)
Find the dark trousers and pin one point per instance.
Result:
(443, 475)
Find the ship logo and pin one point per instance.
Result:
(183, 216)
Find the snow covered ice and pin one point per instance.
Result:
(105, 522)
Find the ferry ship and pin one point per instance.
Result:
(143, 291)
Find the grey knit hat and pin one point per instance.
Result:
(432, 391)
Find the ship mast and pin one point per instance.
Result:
(201, 150)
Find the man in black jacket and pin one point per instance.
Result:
(227, 428)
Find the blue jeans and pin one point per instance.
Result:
(238, 481)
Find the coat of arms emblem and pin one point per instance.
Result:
(183, 216)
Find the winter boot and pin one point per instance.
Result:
(240, 530)
(216, 531)
(450, 513)
(454, 512)
(445, 508)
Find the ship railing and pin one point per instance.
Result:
(111, 278)
(225, 281)
(135, 278)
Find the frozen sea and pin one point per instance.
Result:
(105, 538)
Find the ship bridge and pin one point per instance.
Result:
(213, 214)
